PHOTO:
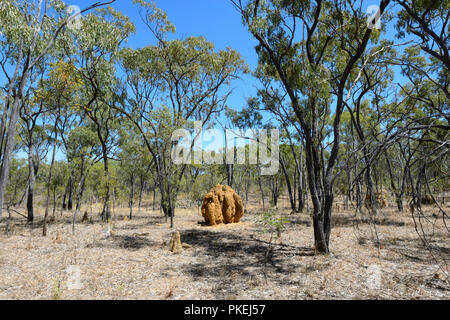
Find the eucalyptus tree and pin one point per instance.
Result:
(369, 108)
(96, 45)
(425, 64)
(310, 53)
(58, 93)
(172, 84)
(427, 23)
(35, 141)
(29, 31)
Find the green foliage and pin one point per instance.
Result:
(273, 223)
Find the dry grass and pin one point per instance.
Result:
(223, 262)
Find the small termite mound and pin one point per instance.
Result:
(175, 245)
(59, 237)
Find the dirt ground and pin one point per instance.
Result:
(234, 261)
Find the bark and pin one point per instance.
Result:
(11, 133)
(68, 193)
(33, 169)
(10, 139)
(70, 200)
(275, 190)
(154, 198)
(301, 196)
(230, 174)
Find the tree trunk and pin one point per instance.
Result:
(288, 183)
(10, 142)
(70, 200)
(141, 192)
(11, 133)
(54, 204)
(274, 189)
(154, 198)
(260, 187)
(301, 196)
(79, 196)
(49, 183)
(230, 174)
(31, 182)
(63, 205)
(106, 212)
(131, 196)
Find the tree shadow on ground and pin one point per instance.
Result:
(414, 250)
(148, 221)
(228, 257)
(297, 219)
(133, 242)
(345, 221)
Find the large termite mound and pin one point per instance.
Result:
(380, 199)
(222, 205)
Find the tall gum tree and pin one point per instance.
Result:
(94, 52)
(28, 33)
(310, 51)
(174, 83)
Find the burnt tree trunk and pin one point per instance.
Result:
(33, 169)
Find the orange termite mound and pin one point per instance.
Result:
(380, 199)
(222, 205)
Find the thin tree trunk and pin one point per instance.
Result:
(54, 204)
(106, 212)
(31, 182)
(10, 142)
(141, 192)
(49, 183)
(260, 187)
(79, 195)
(70, 200)
(11, 133)
(154, 198)
(288, 183)
(131, 196)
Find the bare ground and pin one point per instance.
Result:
(233, 261)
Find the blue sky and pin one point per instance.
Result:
(216, 20)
